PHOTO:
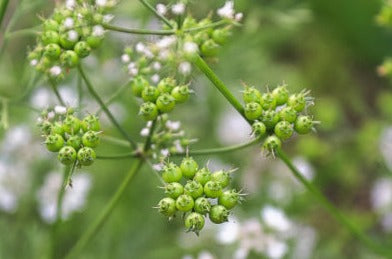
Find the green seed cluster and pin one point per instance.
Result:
(68, 36)
(158, 99)
(208, 40)
(74, 140)
(197, 193)
(277, 115)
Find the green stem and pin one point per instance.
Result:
(100, 220)
(202, 65)
(115, 141)
(211, 25)
(152, 9)
(116, 94)
(56, 92)
(22, 32)
(4, 114)
(118, 156)
(3, 8)
(331, 208)
(104, 107)
(138, 31)
(60, 198)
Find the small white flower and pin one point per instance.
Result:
(173, 125)
(125, 58)
(107, 18)
(238, 16)
(185, 68)
(51, 115)
(227, 11)
(101, 2)
(157, 167)
(33, 62)
(164, 54)
(205, 255)
(276, 249)
(144, 132)
(166, 42)
(140, 47)
(73, 35)
(161, 9)
(155, 78)
(60, 110)
(98, 31)
(275, 218)
(68, 23)
(165, 152)
(228, 233)
(178, 8)
(190, 47)
(178, 146)
(156, 66)
(133, 71)
(70, 4)
(149, 124)
(381, 194)
(55, 70)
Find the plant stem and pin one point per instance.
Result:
(159, 16)
(22, 32)
(202, 65)
(56, 92)
(211, 25)
(330, 207)
(118, 156)
(3, 8)
(116, 141)
(138, 31)
(113, 97)
(60, 197)
(100, 220)
(104, 107)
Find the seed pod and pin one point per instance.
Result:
(181, 93)
(71, 125)
(52, 51)
(283, 130)
(303, 124)
(67, 155)
(171, 173)
(194, 222)
(251, 95)
(259, 129)
(86, 156)
(202, 205)
(54, 142)
(270, 118)
(209, 48)
(229, 199)
(74, 141)
(138, 84)
(219, 214)
(280, 94)
(288, 114)
(69, 58)
(49, 37)
(174, 189)
(272, 143)
(297, 102)
(82, 49)
(193, 189)
(167, 206)
(149, 111)
(268, 101)
(189, 167)
(212, 189)
(90, 139)
(166, 85)
(184, 203)
(166, 103)
(91, 122)
(150, 94)
(222, 177)
(253, 111)
(202, 176)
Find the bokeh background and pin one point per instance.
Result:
(331, 47)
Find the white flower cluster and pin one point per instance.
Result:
(228, 12)
(176, 9)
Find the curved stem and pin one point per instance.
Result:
(22, 32)
(56, 92)
(138, 31)
(104, 107)
(328, 205)
(331, 208)
(202, 65)
(116, 141)
(100, 220)
(211, 25)
(159, 16)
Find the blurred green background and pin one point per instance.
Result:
(331, 47)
